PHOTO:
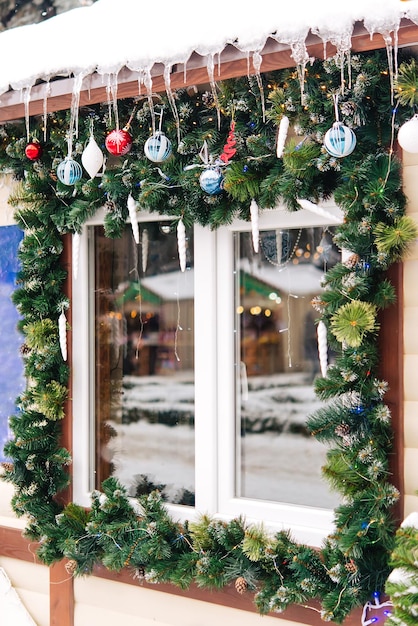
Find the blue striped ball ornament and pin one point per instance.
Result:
(339, 141)
(69, 171)
(157, 147)
(211, 181)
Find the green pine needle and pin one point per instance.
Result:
(350, 323)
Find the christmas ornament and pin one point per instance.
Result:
(118, 142)
(408, 135)
(33, 150)
(133, 217)
(322, 347)
(339, 140)
(211, 180)
(181, 243)
(282, 135)
(157, 148)
(76, 253)
(145, 245)
(92, 158)
(62, 329)
(229, 148)
(69, 171)
(254, 224)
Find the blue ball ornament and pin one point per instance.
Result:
(157, 147)
(69, 171)
(211, 181)
(339, 141)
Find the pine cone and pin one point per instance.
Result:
(241, 585)
(71, 566)
(342, 430)
(351, 567)
(140, 572)
(352, 261)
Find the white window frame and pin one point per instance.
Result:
(215, 428)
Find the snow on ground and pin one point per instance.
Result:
(280, 461)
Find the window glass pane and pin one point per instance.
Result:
(277, 356)
(12, 381)
(144, 362)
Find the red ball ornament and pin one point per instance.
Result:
(33, 150)
(118, 142)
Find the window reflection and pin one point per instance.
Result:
(277, 361)
(144, 362)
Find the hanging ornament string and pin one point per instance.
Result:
(171, 99)
(26, 99)
(279, 250)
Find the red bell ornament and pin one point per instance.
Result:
(118, 142)
(33, 150)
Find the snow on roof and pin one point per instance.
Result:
(112, 34)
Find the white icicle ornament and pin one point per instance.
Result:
(181, 243)
(133, 217)
(254, 224)
(62, 331)
(76, 253)
(145, 244)
(322, 347)
(92, 158)
(282, 135)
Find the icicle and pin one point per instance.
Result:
(300, 55)
(282, 135)
(254, 224)
(392, 62)
(26, 99)
(322, 347)
(62, 328)
(75, 104)
(210, 66)
(47, 93)
(171, 100)
(134, 218)
(145, 245)
(112, 96)
(76, 253)
(257, 59)
(181, 243)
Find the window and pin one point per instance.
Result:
(12, 381)
(199, 382)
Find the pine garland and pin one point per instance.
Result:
(138, 533)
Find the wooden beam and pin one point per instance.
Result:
(233, 63)
(61, 595)
(15, 546)
(229, 597)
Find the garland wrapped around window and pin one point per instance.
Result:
(209, 157)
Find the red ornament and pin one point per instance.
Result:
(33, 150)
(229, 148)
(118, 142)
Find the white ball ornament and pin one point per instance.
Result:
(92, 158)
(339, 140)
(211, 181)
(157, 148)
(69, 171)
(408, 135)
